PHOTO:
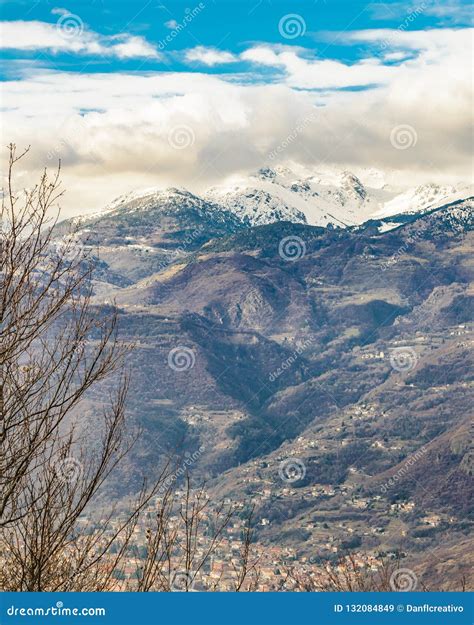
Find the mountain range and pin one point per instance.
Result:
(307, 341)
(337, 198)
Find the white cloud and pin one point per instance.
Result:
(111, 130)
(264, 55)
(451, 12)
(321, 74)
(133, 47)
(69, 34)
(435, 39)
(171, 24)
(209, 56)
(395, 56)
(448, 12)
(60, 11)
(429, 50)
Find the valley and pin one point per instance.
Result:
(324, 372)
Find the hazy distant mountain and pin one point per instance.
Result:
(269, 195)
(337, 198)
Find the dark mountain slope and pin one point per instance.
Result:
(351, 357)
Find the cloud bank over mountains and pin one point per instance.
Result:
(205, 113)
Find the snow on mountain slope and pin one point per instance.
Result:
(154, 198)
(260, 204)
(320, 199)
(170, 200)
(299, 195)
(328, 197)
(423, 198)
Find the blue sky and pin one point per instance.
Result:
(232, 25)
(83, 79)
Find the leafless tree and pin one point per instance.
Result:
(52, 348)
(183, 540)
(55, 347)
(247, 571)
(348, 574)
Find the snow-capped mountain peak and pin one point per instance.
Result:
(353, 186)
(423, 198)
(258, 206)
(319, 198)
(151, 194)
(340, 198)
(270, 195)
